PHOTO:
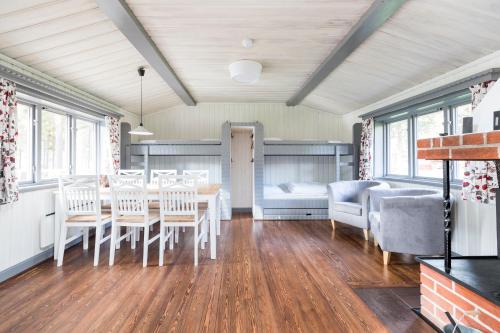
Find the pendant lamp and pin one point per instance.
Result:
(141, 130)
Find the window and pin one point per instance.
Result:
(56, 141)
(404, 128)
(398, 147)
(428, 126)
(106, 167)
(24, 153)
(85, 148)
(54, 153)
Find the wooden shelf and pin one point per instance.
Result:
(465, 147)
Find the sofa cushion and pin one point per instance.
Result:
(352, 208)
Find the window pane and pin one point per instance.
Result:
(85, 148)
(428, 126)
(461, 112)
(106, 167)
(55, 145)
(398, 147)
(24, 143)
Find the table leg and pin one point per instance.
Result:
(218, 212)
(213, 232)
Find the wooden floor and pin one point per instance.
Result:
(270, 276)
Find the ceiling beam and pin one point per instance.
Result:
(123, 17)
(378, 13)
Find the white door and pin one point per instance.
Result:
(241, 168)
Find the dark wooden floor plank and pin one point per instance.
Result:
(270, 276)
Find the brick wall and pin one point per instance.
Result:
(474, 146)
(440, 294)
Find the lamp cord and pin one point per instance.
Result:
(141, 101)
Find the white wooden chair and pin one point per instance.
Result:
(179, 208)
(80, 202)
(130, 209)
(200, 175)
(131, 172)
(155, 173)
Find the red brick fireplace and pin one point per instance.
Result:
(466, 287)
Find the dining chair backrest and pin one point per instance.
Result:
(131, 172)
(202, 175)
(130, 179)
(79, 195)
(156, 173)
(129, 195)
(178, 197)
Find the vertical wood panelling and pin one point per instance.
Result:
(282, 169)
(205, 120)
(20, 225)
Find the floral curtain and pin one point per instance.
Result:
(8, 139)
(114, 141)
(479, 180)
(366, 150)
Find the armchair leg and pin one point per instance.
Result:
(387, 257)
(333, 224)
(365, 233)
(375, 242)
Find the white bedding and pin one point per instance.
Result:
(277, 192)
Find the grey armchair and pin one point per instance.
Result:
(407, 220)
(348, 202)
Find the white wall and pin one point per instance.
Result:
(204, 121)
(474, 230)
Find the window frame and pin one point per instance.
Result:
(36, 142)
(446, 105)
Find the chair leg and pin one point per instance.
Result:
(62, 244)
(365, 233)
(195, 245)
(133, 238)
(127, 230)
(333, 223)
(145, 247)
(118, 235)
(171, 238)
(203, 232)
(97, 245)
(162, 245)
(138, 235)
(176, 234)
(112, 245)
(387, 257)
(86, 238)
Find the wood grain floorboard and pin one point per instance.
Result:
(270, 276)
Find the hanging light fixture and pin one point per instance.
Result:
(141, 130)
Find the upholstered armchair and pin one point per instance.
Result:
(407, 220)
(348, 202)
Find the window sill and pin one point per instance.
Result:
(420, 181)
(23, 188)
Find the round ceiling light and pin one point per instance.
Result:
(245, 71)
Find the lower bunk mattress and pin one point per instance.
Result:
(281, 205)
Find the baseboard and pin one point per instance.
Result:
(33, 261)
(242, 210)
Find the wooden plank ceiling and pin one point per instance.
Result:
(424, 39)
(75, 42)
(72, 40)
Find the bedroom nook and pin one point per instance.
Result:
(250, 166)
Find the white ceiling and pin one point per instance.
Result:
(75, 42)
(424, 39)
(72, 40)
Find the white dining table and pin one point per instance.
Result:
(209, 193)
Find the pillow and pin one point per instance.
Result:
(304, 188)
